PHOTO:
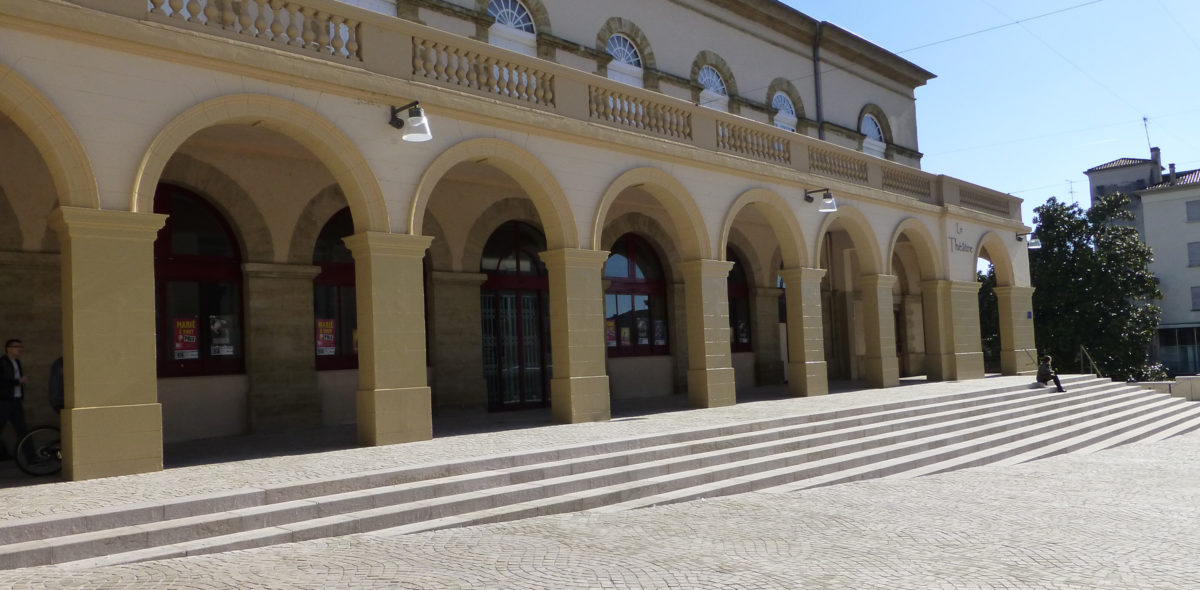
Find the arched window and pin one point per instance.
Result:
(335, 312)
(785, 111)
(713, 93)
(198, 285)
(739, 304)
(626, 65)
(514, 310)
(874, 143)
(635, 304)
(514, 29)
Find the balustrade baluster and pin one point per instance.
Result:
(177, 9)
(464, 69)
(352, 30)
(452, 59)
(471, 62)
(260, 19)
(439, 65)
(294, 24)
(308, 28)
(194, 10)
(338, 43)
(157, 7)
(510, 81)
(277, 21)
(490, 72)
(212, 13)
(463, 61)
(229, 14)
(321, 24)
(432, 59)
(245, 21)
(418, 57)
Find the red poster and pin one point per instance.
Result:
(326, 338)
(187, 342)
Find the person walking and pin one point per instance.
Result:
(12, 394)
(1046, 373)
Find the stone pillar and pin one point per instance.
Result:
(880, 367)
(393, 397)
(710, 363)
(457, 348)
(280, 341)
(1018, 349)
(807, 373)
(579, 387)
(955, 351)
(112, 424)
(769, 368)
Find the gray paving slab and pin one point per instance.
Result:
(23, 502)
(1122, 518)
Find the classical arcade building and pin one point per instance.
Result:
(237, 216)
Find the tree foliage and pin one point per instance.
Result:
(1094, 287)
(989, 319)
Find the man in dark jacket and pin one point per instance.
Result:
(12, 394)
(1046, 373)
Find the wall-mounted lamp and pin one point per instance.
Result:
(1033, 243)
(828, 205)
(415, 125)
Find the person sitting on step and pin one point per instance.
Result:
(1046, 373)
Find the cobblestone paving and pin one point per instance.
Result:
(1126, 518)
(21, 502)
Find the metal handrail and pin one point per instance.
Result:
(1085, 355)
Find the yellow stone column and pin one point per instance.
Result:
(579, 387)
(951, 310)
(710, 362)
(393, 394)
(112, 424)
(880, 367)
(807, 373)
(1018, 349)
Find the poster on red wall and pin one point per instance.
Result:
(187, 342)
(326, 337)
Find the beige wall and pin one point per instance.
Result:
(1168, 234)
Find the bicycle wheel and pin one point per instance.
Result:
(40, 451)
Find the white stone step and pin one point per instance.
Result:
(142, 513)
(580, 482)
(171, 531)
(852, 466)
(1175, 416)
(1088, 427)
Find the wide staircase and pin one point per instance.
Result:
(895, 439)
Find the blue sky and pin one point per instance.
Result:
(1026, 108)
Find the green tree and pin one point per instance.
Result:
(989, 319)
(1094, 287)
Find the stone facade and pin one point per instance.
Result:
(278, 132)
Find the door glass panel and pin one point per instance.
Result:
(491, 368)
(532, 345)
(510, 354)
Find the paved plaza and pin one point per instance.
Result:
(1122, 518)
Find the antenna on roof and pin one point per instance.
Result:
(1146, 126)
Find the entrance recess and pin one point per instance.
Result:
(514, 311)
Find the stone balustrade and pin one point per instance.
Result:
(626, 110)
(756, 143)
(410, 51)
(904, 181)
(310, 26)
(453, 65)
